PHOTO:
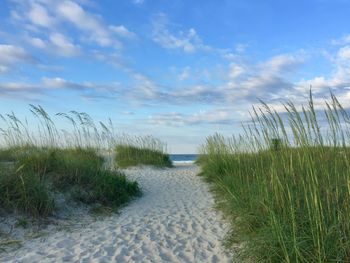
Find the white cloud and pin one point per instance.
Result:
(229, 55)
(123, 31)
(38, 15)
(262, 80)
(45, 84)
(55, 82)
(60, 83)
(217, 116)
(340, 77)
(128, 113)
(63, 45)
(75, 14)
(241, 82)
(41, 16)
(35, 90)
(344, 53)
(146, 89)
(240, 48)
(321, 84)
(282, 63)
(185, 74)
(236, 71)
(341, 41)
(18, 90)
(301, 99)
(14, 86)
(188, 40)
(11, 55)
(268, 80)
(3, 69)
(37, 42)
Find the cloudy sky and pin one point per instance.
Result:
(177, 69)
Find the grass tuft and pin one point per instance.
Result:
(284, 184)
(39, 172)
(142, 151)
(38, 161)
(24, 191)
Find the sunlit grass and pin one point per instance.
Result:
(36, 164)
(285, 184)
(142, 151)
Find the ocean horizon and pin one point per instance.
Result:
(183, 157)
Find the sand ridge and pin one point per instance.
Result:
(174, 221)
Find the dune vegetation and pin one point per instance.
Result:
(284, 184)
(36, 165)
(141, 151)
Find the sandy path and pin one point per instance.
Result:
(172, 222)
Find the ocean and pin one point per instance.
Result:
(183, 157)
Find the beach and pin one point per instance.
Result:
(174, 221)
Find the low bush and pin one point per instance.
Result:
(39, 172)
(24, 191)
(127, 155)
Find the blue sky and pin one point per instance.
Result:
(180, 70)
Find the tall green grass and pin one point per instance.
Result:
(37, 174)
(38, 161)
(133, 151)
(81, 131)
(285, 184)
(26, 192)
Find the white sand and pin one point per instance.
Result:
(174, 221)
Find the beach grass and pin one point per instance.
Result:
(284, 184)
(37, 173)
(36, 165)
(24, 192)
(142, 151)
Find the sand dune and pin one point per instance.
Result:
(174, 221)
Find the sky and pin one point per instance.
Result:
(176, 69)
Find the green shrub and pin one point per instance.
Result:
(25, 192)
(127, 155)
(78, 172)
(38, 160)
(10, 154)
(7, 155)
(133, 151)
